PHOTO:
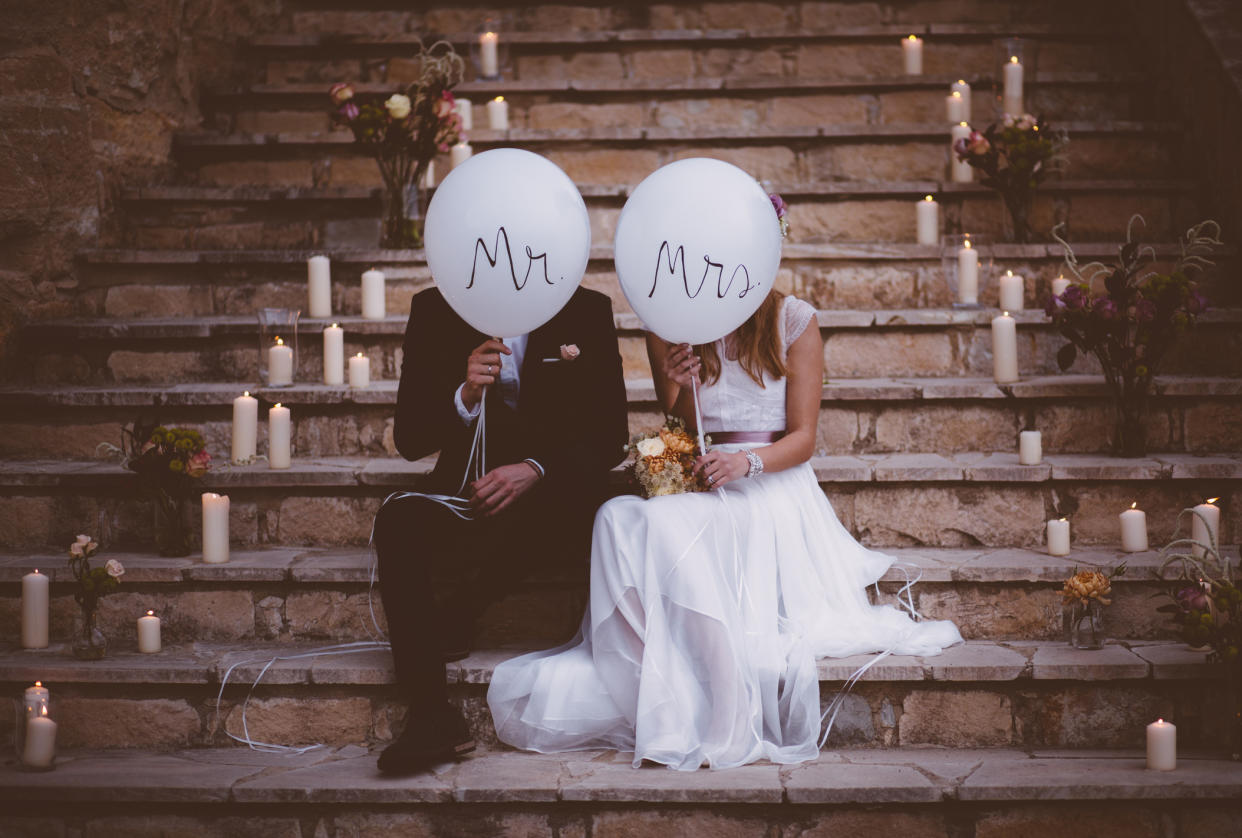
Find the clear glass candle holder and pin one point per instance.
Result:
(489, 52)
(27, 708)
(951, 244)
(274, 324)
(1027, 53)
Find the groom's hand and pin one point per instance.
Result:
(495, 491)
(482, 370)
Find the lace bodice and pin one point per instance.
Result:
(735, 402)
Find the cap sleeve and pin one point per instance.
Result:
(798, 314)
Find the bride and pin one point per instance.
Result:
(707, 611)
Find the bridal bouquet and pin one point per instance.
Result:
(664, 461)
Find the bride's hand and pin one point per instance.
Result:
(719, 467)
(681, 364)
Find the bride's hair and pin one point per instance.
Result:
(757, 343)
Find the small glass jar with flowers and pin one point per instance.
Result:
(92, 584)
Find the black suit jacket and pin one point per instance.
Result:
(571, 415)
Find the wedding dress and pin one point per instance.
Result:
(707, 613)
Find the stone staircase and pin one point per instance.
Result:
(916, 445)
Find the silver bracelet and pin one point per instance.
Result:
(756, 463)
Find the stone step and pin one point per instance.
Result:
(894, 500)
(350, 698)
(1074, 413)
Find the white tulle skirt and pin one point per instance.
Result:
(707, 613)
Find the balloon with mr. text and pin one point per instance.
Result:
(508, 239)
(698, 246)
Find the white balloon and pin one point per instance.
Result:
(507, 238)
(697, 249)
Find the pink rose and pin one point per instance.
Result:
(198, 464)
(114, 568)
(977, 144)
(341, 93)
(570, 351)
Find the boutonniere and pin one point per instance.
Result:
(570, 351)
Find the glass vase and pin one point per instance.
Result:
(1016, 218)
(403, 216)
(1084, 625)
(173, 529)
(89, 643)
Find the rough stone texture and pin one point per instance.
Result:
(934, 516)
(1105, 717)
(292, 721)
(953, 719)
(908, 824)
(992, 612)
(159, 826)
(141, 723)
(858, 354)
(331, 614)
(326, 520)
(691, 825)
(1056, 819)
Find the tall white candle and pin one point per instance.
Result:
(373, 306)
(334, 355)
(1059, 285)
(1013, 87)
(35, 595)
(279, 437)
(149, 634)
(1205, 526)
(359, 371)
(429, 175)
(245, 427)
(1133, 529)
(955, 108)
(1012, 292)
(927, 218)
(40, 748)
(1030, 448)
(465, 110)
(1004, 349)
(279, 364)
(959, 169)
(215, 528)
(319, 286)
(489, 57)
(967, 273)
(1058, 534)
(1161, 746)
(912, 53)
(459, 153)
(961, 87)
(498, 114)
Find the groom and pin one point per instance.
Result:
(555, 424)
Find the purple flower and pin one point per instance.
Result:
(348, 111)
(1105, 308)
(1197, 304)
(1074, 297)
(1192, 597)
(778, 204)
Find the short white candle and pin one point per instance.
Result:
(279, 437)
(927, 217)
(1059, 285)
(1012, 292)
(961, 87)
(1133, 529)
(1205, 526)
(35, 593)
(359, 371)
(149, 634)
(912, 52)
(955, 108)
(1030, 448)
(489, 57)
(1058, 534)
(215, 528)
(280, 364)
(1004, 349)
(373, 306)
(465, 110)
(967, 273)
(459, 153)
(959, 169)
(498, 114)
(1013, 87)
(40, 746)
(1161, 746)
(334, 355)
(319, 286)
(245, 427)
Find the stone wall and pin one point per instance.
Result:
(91, 93)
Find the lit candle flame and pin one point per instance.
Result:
(967, 245)
(280, 341)
(1013, 59)
(1134, 505)
(336, 326)
(964, 124)
(43, 710)
(277, 405)
(359, 355)
(956, 95)
(1008, 273)
(150, 613)
(913, 38)
(38, 683)
(499, 99)
(246, 393)
(489, 36)
(960, 81)
(1212, 500)
(927, 197)
(1063, 518)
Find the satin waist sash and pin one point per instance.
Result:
(734, 437)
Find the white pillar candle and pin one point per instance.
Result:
(912, 52)
(373, 306)
(1012, 292)
(489, 55)
(334, 355)
(1205, 526)
(459, 153)
(429, 175)
(1059, 285)
(149, 634)
(279, 437)
(1133, 529)
(359, 371)
(319, 286)
(498, 114)
(967, 273)
(35, 595)
(280, 364)
(1013, 87)
(1161, 746)
(959, 169)
(961, 87)
(927, 217)
(1004, 349)
(40, 746)
(1030, 448)
(955, 108)
(1058, 534)
(465, 110)
(215, 528)
(245, 427)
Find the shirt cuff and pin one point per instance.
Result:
(467, 415)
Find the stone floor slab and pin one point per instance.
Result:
(1014, 565)
(508, 777)
(617, 781)
(1058, 661)
(1005, 468)
(977, 661)
(1174, 660)
(245, 566)
(841, 783)
(1101, 779)
(918, 467)
(889, 668)
(124, 777)
(354, 780)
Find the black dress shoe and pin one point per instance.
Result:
(427, 742)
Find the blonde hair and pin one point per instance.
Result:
(758, 345)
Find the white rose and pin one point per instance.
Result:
(398, 106)
(114, 568)
(75, 550)
(652, 447)
(84, 540)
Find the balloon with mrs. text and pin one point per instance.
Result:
(698, 246)
(507, 238)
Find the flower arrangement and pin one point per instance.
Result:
(404, 133)
(93, 583)
(1015, 156)
(1086, 586)
(664, 461)
(1130, 320)
(169, 463)
(1083, 597)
